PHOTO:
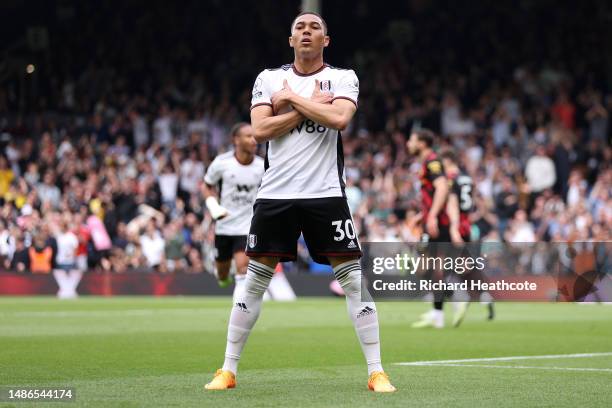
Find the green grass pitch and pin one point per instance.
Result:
(144, 352)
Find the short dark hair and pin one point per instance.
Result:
(236, 128)
(448, 154)
(314, 14)
(426, 136)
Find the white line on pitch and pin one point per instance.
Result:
(511, 358)
(608, 370)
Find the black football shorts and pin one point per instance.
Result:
(326, 224)
(227, 245)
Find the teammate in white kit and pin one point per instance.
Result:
(236, 176)
(298, 110)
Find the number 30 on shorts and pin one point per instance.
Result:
(348, 231)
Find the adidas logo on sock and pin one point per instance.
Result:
(366, 311)
(243, 307)
(351, 245)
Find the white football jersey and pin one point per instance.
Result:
(307, 162)
(237, 185)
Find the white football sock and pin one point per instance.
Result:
(239, 281)
(245, 312)
(361, 311)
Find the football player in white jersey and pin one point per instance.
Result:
(298, 110)
(234, 177)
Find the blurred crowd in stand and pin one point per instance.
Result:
(103, 168)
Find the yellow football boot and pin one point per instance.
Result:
(379, 382)
(222, 380)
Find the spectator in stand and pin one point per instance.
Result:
(540, 171)
(162, 133)
(140, 129)
(175, 248)
(168, 185)
(48, 192)
(6, 176)
(32, 175)
(520, 229)
(597, 118)
(99, 251)
(119, 151)
(564, 111)
(153, 246)
(506, 203)
(7, 244)
(21, 260)
(40, 255)
(192, 173)
(81, 230)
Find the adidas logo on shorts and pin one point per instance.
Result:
(351, 245)
(366, 311)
